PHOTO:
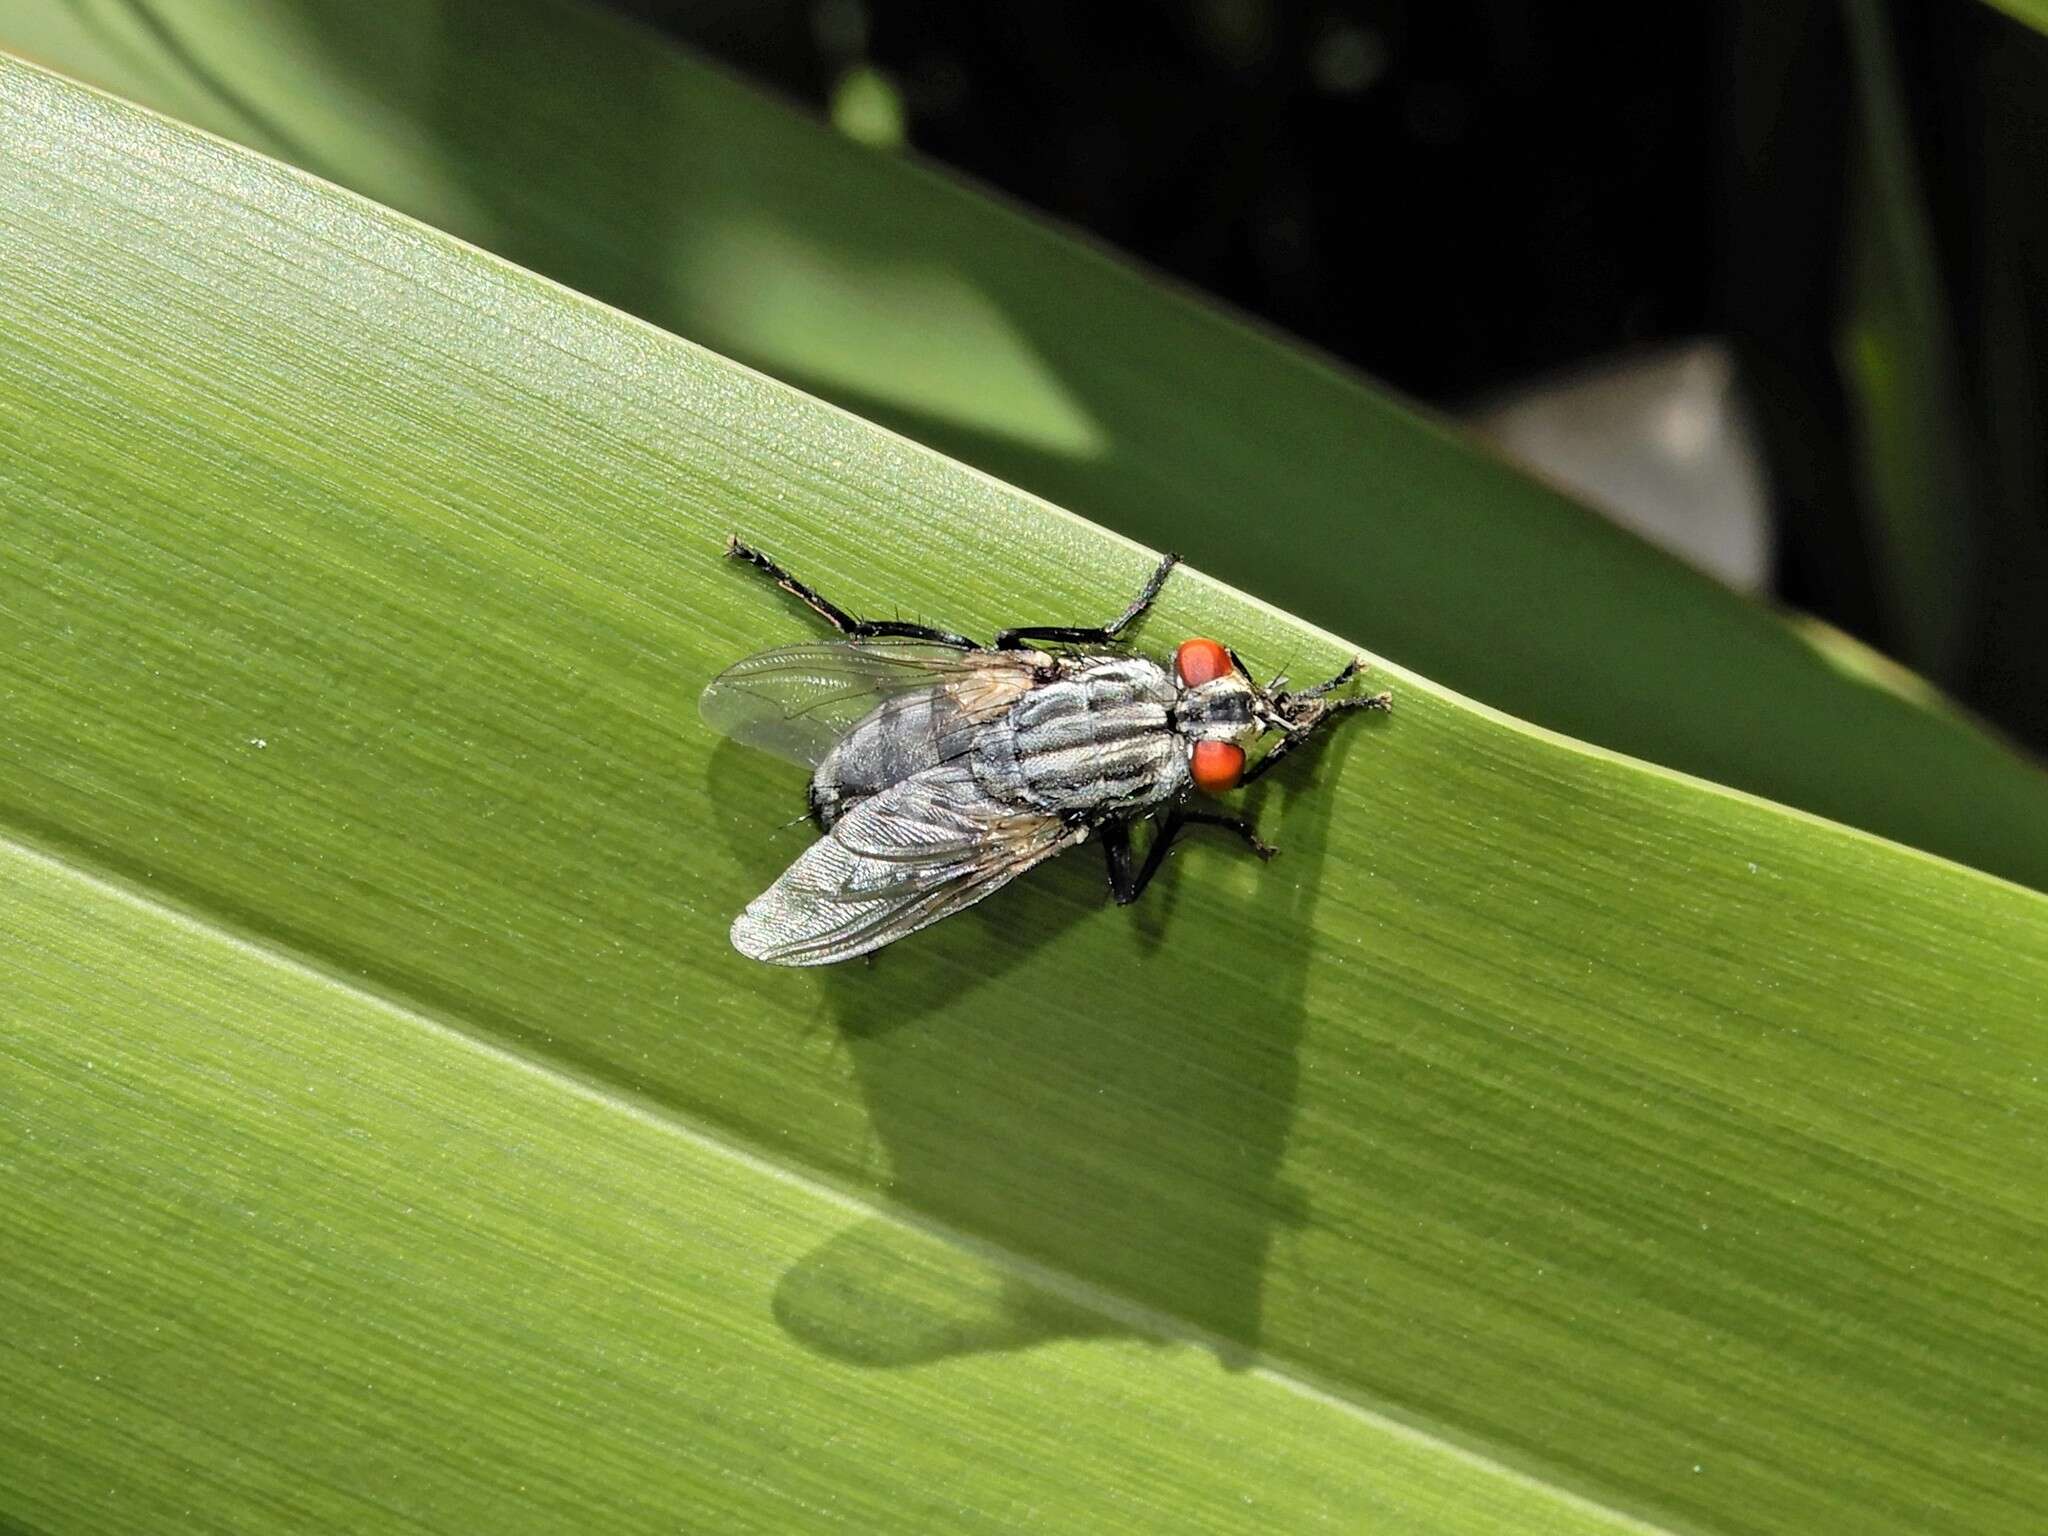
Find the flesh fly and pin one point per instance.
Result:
(942, 769)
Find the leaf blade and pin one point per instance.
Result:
(588, 149)
(363, 591)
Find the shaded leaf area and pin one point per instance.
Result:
(582, 147)
(1660, 1143)
(1901, 375)
(394, 1280)
(1878, 256)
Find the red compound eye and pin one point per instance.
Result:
(1216, 765)
(1201, 661)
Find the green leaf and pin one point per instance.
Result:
(2033, 12)
(283, 1256)
(1542, 1142)
(1900, 373)
(585, 148)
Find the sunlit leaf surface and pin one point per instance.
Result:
(392, 1141)
(588, 149)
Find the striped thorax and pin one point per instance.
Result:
(942, 768)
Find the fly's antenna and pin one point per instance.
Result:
(1278, 687)
(1273, 692)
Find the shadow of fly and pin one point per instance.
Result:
(942, 768)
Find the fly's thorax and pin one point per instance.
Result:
(1097, 737)
(1223, 709)
(1217, 718)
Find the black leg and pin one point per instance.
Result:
(1273, 754)
(833, 614)
(1127, 887)
(1116, 853)
(1322, 714)
(1017, 639)
(1351, 669)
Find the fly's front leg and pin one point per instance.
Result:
(1017, 639)
(1352, 668)
(833, 614)
(1320, 714)
(1116, 843)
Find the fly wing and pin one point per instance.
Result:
(918, 851)
(798, 700)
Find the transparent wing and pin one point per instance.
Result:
(918, 851)
(798, 700)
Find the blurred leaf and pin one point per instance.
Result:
(585, 148)
(1988, 112)
(1900, 372)
(2033, 12)
(392, 1141)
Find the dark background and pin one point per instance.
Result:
(1459, 195)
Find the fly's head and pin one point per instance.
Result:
(1223, 710)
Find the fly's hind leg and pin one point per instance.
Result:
(833, 614)
(1127, 885)
(1103, 634)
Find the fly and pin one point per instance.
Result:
(942, 769)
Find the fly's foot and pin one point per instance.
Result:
(1351, 669)
(1237, 824)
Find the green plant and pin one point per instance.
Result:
(1545, 1141)
(582, 148)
